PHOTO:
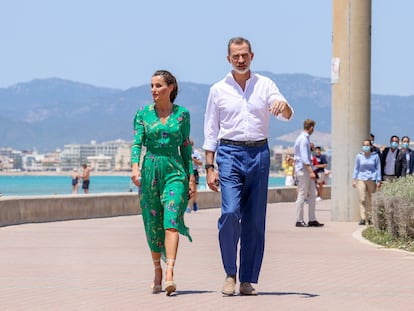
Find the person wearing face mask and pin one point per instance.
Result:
(366, 178)
(405, 158)
(374, 147)
(389, 170)
(236, 128)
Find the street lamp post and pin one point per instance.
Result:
(351, 98)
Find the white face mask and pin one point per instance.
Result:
(366, 148)
(394, 145)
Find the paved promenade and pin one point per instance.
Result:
(104, 264)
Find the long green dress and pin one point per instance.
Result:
(165, 171)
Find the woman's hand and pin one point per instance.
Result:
(192, 187)
(136, 177)
(192, 190)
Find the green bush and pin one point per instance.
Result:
(378, 212)
(385, 239)
(393, 208)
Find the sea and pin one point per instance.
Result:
(33, 185)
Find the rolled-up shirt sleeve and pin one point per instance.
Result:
(211, 122)
(274, 96)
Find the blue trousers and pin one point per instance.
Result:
(244, 177)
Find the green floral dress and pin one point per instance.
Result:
(165, 171)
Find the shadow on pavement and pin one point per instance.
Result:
(305, 295)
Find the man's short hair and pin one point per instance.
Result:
(308, 123)
(238, 41)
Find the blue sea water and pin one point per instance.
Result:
(25, 185)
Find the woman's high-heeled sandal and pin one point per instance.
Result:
(170, 286)
(156, 288)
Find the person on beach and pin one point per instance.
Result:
(85, 178)
(288, 165)
(236, 126)
(166, 178)
(75, 181)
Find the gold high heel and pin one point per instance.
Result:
(156, 288)
(170, 286)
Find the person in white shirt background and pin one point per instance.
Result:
(306, 176)
(197, 165)
(236, 127)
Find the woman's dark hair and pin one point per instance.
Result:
(170, 79)
(368, 140)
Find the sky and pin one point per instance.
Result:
(121, 43)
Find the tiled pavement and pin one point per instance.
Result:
(104, 264)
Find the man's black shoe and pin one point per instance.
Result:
(314, 223)
(301, 224)
(362, 222)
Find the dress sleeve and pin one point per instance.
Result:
(186, 148)
(139, 133)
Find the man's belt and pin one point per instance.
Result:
(247, 143)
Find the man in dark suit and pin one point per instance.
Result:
(389, 167)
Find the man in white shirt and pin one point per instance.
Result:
(236, 126)
(305, 175)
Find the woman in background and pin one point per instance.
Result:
(75, 181)
(288, 166)
(366, 178)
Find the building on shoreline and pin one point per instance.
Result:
(111, 156)
(105, 155)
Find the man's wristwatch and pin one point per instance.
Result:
(207, 166)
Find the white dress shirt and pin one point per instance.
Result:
(234, 114)
(302, 151)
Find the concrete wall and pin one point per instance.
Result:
(20, 210)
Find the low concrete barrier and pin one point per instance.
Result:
(32, 209)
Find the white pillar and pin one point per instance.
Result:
(351, 99)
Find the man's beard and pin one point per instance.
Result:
(241, 72)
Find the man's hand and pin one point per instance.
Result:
(281, 107)
(212, 180)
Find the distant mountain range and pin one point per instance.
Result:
(48, 113)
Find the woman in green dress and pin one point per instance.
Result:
(166, 179)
